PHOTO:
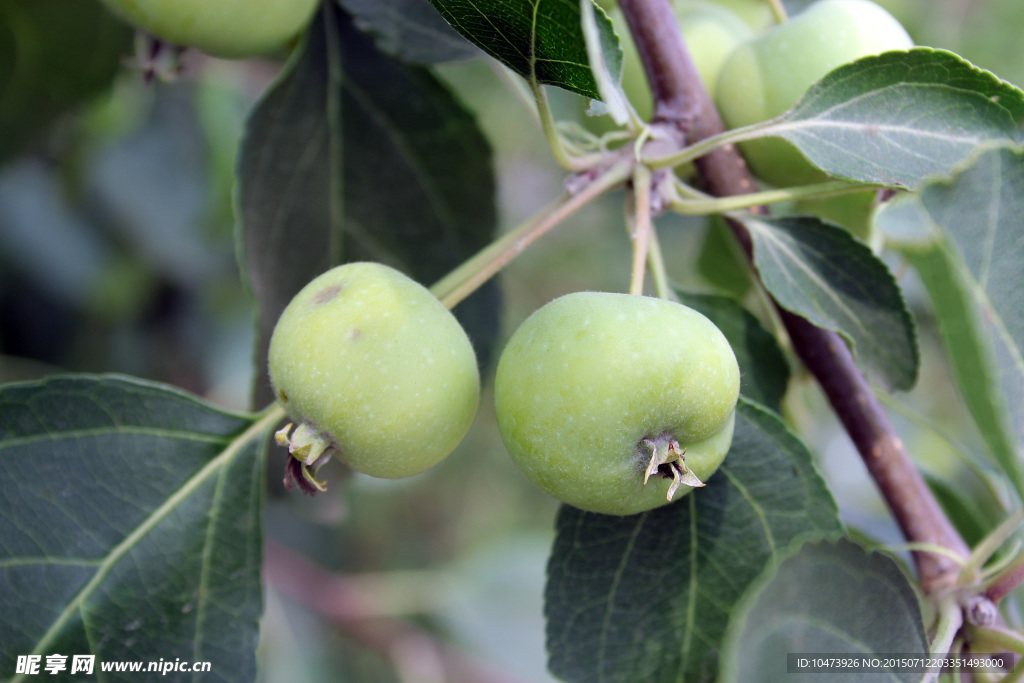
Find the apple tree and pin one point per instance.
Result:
(366, 250)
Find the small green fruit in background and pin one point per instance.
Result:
(375, 368)
(222, 28)
(711, 33)
(754, 13)
(597, 393)
(767, 75)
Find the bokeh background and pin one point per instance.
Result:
(117, 254)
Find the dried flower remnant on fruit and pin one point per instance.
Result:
(308, 451)
(667, 460)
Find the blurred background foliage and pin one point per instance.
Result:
(117, 254)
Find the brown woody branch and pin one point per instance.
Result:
(683, 110)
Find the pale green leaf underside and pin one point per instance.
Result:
(827, 598)
(965, 239)
(820, 272)
(901, 118)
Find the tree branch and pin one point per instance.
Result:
(683, 111)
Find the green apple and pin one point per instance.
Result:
(711, 33)
(767, 75)
(757, 14)
(222, 28)
(375, 369)
(612, 403)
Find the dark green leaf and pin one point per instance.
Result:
(964, 239)
(352, 156)
(827, 598)
(764, 373)
(130, 525)
(541, 39)
(54, 54)
(821, 272)
(647, 597)
(411, 30)
(901, 118)
(721, 261)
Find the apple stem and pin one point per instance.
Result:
(684, 109)
(656, 264)
(778, 11)
(639, 223)
(475, 271)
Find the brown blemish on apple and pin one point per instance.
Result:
(325, 295)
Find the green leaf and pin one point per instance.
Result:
(965, 508)
(822, 273)
(830, 597)
(54, 54)
(538, 39)
(963, 237)
(721, 261)
(130, 525)
(901, 118)
(764, 373)
(352, 156)
(647, 597)
(410, 30)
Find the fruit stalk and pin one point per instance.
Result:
(683, 108)
(640, 226)
(472, 273)
(778, 11)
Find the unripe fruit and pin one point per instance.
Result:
(223, 28)
(596, 392)
(711, 33)
(376, 368)
(766, 76)
(757, 14)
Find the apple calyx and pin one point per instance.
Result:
(156, 59)
(667, 461)
(309, 449)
